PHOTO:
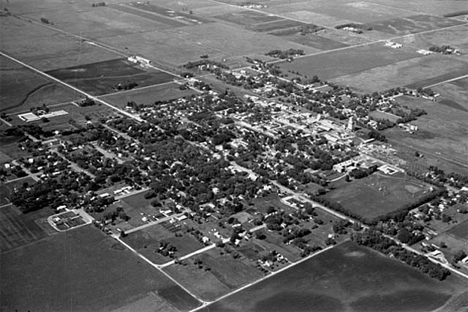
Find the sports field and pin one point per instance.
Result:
(83, 270)
(378, 194)
(346, 278)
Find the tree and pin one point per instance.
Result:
(459, 255)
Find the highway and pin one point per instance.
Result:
(92, 97)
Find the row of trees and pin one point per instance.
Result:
(377, 241)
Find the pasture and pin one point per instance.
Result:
(347, 61)
(442, 132)
(70, 268)
(345, 278)
(149, 95)
(102, 77)
(378, 194)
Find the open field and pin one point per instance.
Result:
(101, 78)
(421, 71)
(22, 88)
(378, 194)
(442, 132)
(17, 229)
(345, 62)
(224, 274)
(45, 48)
(148, 95)
(345, 278)
(79, 264)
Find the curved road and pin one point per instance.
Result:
(72, 87)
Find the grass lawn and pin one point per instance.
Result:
(81, 270)
(377, 194)
(345, 278)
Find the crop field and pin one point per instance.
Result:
(45, 48)
(17, 229)
(100, 78)
(412, 24)
(356, 13)
(231, 42)
(22, 88)
(442, 132)
(146, 241)
(454, 37)
(345, 278)
(149, 95)
(432, 69)
(314, 41)
(454, 94)
(179, 16)
(345, 62)
(378, 194)
(168, 22)
(438, 79)
(248, 18)
(79, 264)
